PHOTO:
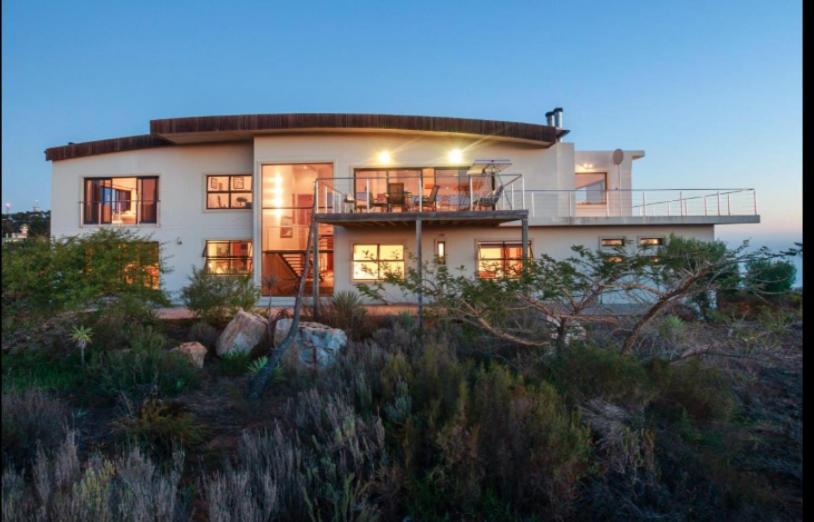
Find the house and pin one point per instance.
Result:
(238, 194)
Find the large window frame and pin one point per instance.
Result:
(508, 264)
(101, 201)
(237, 187)
(365, 262)
(231, 257)
(583, 193)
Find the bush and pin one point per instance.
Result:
(234, 364)
(770, 276)
(158, 425)
(42, 277)
(130, 487)
(585, 372)
(31, 418)
(122, 321)
(320, 470)
(39, 369)
(217, 298)
(204, 333)
(147, 366)
(347, 312)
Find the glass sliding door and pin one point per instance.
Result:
(287, 206)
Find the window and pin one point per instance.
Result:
(228, 192)
(610, 246)
(591, 188)
(441, 252)
(650, 245)
(500, 259)
(612, 242)
(145, 267)
(228, 257)
(120, 201)
(375, 262)
(650, 242)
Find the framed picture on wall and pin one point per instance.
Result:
(237, 183)
(286, 230)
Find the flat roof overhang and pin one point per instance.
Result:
(217, 129)
(374, 220)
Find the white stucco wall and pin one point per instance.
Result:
(461, 244)
(184, 224)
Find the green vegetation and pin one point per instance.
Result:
(215, 299)
(508, 405)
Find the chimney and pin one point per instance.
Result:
(549, 118)
(557, 113)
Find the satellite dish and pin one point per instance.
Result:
(618, 156)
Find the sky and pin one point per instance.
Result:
(712, 91)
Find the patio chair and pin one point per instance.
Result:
(395, 195)
(490, 200)
(429, 201)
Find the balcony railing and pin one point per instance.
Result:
(508, 192)
(417, 193)
(122, 213)
(640, 203)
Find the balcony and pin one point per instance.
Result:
(119, 213)
(499, 198)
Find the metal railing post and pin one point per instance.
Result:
(421, 191)
(705, 204)
(523, 190)
(718, 199)
(754, 202)
(572, 205)
(471, 195)
(607, 203)
(644, 208)
(367, 194)
(729, 204)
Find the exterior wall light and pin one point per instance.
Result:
(384, 157)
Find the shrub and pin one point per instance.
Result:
(129, 487)
(145, 367)
(585, 372)
(767, 276)
(39, 369)
(120, 321)
(317, 471)
(217, 298)
(204, 333)
(158, 425)
(234, 364)
(347, 312)
(31, 417)
(42, 277)
(690, 390)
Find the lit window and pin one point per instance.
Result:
(649, 242)
(500, 259)
(120, 201)
(375, 262)
(228, 192)
(228, 257)
(612, 242)
(145, 267)
(441, 252)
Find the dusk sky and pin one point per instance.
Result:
(712, 91)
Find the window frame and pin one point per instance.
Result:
(604, 192)
(248, 259)
(378, 261)
(503, 259)
(152, 209)
(229, 191)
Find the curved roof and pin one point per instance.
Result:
(207, 129)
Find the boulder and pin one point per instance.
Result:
(194, 351)
(315, 342)
(242, 334)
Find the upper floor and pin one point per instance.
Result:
(241, 170)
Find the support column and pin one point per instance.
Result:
(315, 276)
(525, 241)
(420, 271)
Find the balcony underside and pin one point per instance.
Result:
(482, 218)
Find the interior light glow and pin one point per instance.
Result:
(455, 156)
(384, 157)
